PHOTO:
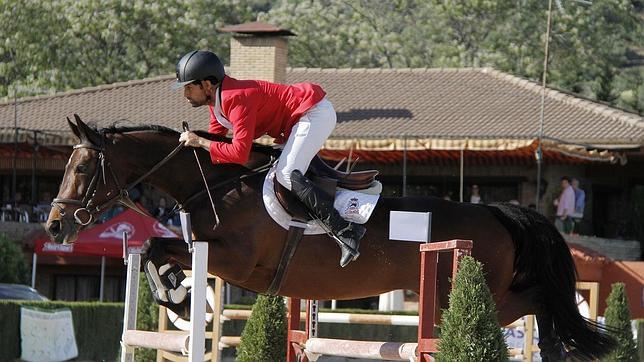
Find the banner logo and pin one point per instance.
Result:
(162, 230)
(116, 231)
(60, 248)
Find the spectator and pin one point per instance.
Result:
(161, 211)
(580, 203)
(22, 209)
(44, 206)
(475, 198)
(580, 199)
(145, 203)
(565, 204)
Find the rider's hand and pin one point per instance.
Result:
(190, 139)
(193, 140)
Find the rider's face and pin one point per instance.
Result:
(196, 94)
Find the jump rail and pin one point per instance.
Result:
(192, 343)
(304, 345)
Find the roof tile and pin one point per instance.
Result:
(466, 102)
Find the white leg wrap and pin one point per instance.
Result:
(175, 295)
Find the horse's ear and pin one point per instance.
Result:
(74, 128)
(87, 134)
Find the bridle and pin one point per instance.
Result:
(123, 195)
(87, 204)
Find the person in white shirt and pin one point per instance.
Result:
(565, 204)
(476, 196)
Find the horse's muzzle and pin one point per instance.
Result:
(61, 230)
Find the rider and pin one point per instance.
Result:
(298, 116)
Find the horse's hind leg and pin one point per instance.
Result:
(164, 275)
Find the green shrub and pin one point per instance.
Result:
(147, 318)
(618, 318)
(470, 330)
(13, 267)
(264, 336)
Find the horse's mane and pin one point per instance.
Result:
(116, 128)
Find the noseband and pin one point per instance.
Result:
(87, 202)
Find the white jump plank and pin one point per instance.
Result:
(172, 342)
(392, 351)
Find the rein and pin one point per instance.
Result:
(253, 172)
(121, 196)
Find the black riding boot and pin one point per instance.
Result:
(320, 204)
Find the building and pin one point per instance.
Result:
(429, 131)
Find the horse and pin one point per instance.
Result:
(528, 266)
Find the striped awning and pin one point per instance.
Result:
(389, 150)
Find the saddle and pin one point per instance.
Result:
(328, 178)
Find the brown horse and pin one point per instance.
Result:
(529, 268)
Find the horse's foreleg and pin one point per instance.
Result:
(164, 275)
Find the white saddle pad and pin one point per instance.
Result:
(352, 205)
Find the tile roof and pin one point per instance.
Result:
(476, 103)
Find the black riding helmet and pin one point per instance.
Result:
(198, 65)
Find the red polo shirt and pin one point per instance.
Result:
(253, 108)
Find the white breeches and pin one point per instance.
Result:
(307, 137)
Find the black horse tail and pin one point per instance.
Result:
(544, 260)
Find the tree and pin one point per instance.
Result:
(341, 34)
(13, 267)
(63, 44)
(618, 319)
(264, 336)
(470, 330)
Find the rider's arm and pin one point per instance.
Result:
(243, 119)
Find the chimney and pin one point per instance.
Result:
(258, 51)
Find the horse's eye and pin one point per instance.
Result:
(81, 168)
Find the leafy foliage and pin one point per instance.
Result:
(470, 330)
(63, 44)
(13, 267)
(264, 336)
(618, 317)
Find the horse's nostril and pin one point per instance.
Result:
(54, 227)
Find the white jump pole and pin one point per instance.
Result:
(391, 351)
(196, 339)
(34, 263)
(101, 291)
(131, 303)
(198, 301)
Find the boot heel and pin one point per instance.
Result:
(347, 255)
